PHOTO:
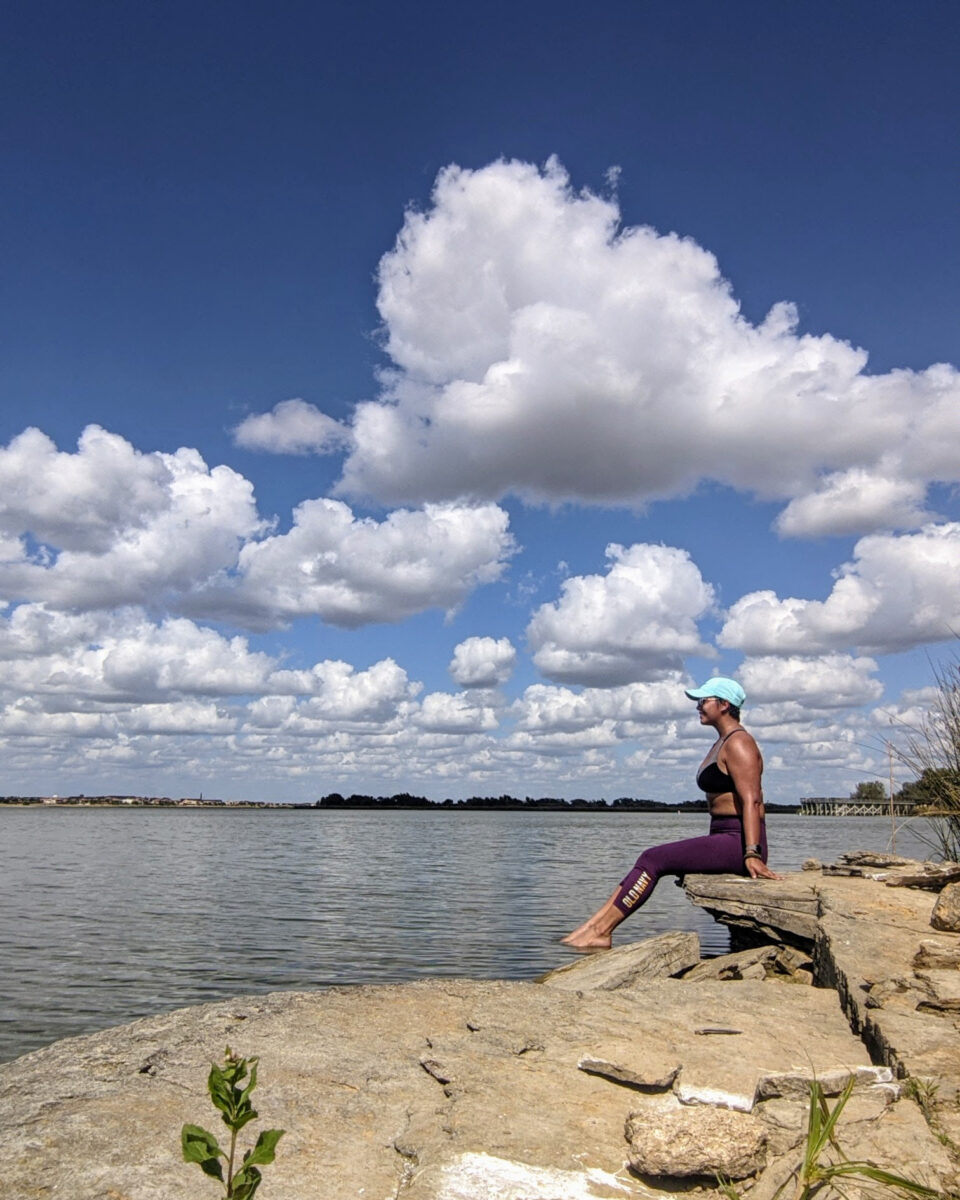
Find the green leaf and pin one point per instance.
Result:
(221, 1092)
(833, 1116)
(253, 1079)
(234, 1070)
(201, 1147)
(265, 1149)
(243, 1117)
(878, 1175)
(245, 1183)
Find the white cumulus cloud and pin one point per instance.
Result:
(166, 530)
(351, 571)
(855, 501)
(443, 713)
(634, 623)
(483, 662)
(292, 427)
(541, 348)
(164, 524)
(899, 592)
(79, 501)
(828, 681)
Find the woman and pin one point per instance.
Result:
(737, 842)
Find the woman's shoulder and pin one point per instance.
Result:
(740, 745)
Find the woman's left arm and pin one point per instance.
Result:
(744, 766)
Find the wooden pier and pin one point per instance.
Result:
(847, 806)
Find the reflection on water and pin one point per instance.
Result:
(111, 914)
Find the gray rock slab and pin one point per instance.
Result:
(832, 1083)
(769, 908)
(759, 962)
(943, 990)
(628, 966)
(344, 1072)
(939, 953)
(872, 944)
(651, 1078)
(732, 966)
(934, 878)
(869, 939)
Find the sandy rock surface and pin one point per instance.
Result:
(387, 1092)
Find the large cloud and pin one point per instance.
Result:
(189, 539)
(351, 571)
(898, 592)
(182, 522)
(126, 658)
(541, 348)
(79, 501)
(634, 623)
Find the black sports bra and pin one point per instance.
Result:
(711, 779)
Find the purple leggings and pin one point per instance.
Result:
(721, 852)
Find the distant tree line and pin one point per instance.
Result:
(500, 803)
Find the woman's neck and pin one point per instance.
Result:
(726, 725)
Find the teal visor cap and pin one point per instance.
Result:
(722, 688)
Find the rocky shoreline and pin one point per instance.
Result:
(639, 1072)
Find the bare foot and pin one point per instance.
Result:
(571, 937)
(586, 939)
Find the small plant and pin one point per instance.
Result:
(228, 1094)
(932, 752)
(815, 1172)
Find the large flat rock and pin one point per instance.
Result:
(870, 933)
(428, 1091)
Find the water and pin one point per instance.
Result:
(111, 914)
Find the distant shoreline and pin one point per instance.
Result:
(403, 802)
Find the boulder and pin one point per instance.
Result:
(946, 911)
(696, 1141)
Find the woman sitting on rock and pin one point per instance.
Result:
(737, 842)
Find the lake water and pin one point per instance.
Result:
(111, 914)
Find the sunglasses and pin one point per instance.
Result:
(701, 703)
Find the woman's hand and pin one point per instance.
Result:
(756, 868)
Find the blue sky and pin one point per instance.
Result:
(668, 280)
